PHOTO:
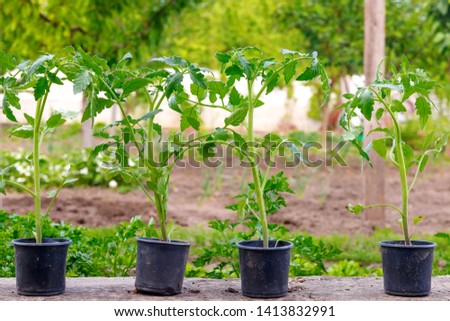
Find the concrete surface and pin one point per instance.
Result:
(195, 289)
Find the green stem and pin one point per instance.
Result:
(255, 171)
(418, 168)
(20, 186)
(384, 205)
(403, 174)
(36, 167)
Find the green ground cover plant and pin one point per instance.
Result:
(112, 251)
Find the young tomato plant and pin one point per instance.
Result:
(248, 65)
(37, 77)
(390, 95)
(106, 86)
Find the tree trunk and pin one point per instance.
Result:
(374, 42)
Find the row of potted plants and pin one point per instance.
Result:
(160, 267)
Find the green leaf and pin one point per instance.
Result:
(70, 181)
(133, 85)
(397, 106)
(197, 77)
(2, 187)
(190, 118)
(423, 110)
(218, 88)
(172, 61)
(379, 114)
(237, 117)
(13, 99)
(37, 63)
(198, 91)
(309, 74)
(6, 61)
(128, 56)
(40, 88)
(348, 96)
(55, 120)
(235, 97)
(289, 71)
(7, 111)
(366, 103)
(355, 209)
(423, 164)
(221, 134)
(223, 57)
(417, 219)
(150, 114)
(172, 82)
(54, 79)
(29, 119)
(81, 82)
(24, 131)
(272, 82)
(379, 145)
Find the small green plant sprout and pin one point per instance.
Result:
(36, 77)
(390, 95)
(106, 86)
(261, 75)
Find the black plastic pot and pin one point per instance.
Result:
(160, 266)
(264, 271)
(407, 268)
(41, 267)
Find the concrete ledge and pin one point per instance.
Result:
(300, 289)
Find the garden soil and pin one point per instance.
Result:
(198, 195)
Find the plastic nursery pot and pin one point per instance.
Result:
(160, 266)
(407, 268)
(41, 267)
(264, 271)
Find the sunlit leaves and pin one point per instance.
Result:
(423, 110)
(366, 103)
(81, 81)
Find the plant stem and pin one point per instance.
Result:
(20, 186)
(255, 172)
(403, 176)
(36, 169)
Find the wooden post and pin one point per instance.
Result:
(374, 43)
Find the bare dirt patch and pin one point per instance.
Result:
(319, 210)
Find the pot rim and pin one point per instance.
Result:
(242, 245)
(47, 242)
(153, 240)
(415, 244)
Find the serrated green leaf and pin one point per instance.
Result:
(12, 98)
(235, 97)
(222, 57)
(172, 61)
(221, 134)
(366, 103)
(55, 120)
(272, 82)
(81, 82)
(7, 111)
(24, 131)
(6, 61)
(37, 63)
(423, 110)
(197, 77)
(172, 82)
(218, 88)
(237, 117)
(198, 91)
(189, 118)
(40, 88)
(128, 56)
(397, 106)
(309, 74)
(289, 71)
(133, 85)
(379, 146)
